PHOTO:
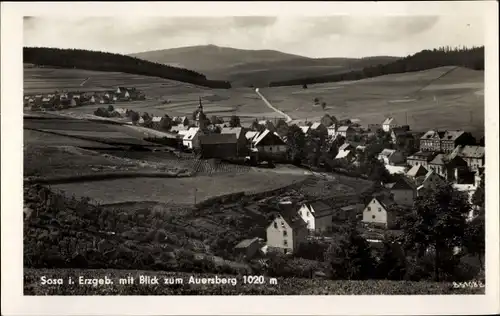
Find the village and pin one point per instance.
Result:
(411, 165)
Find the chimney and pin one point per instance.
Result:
(456, 175)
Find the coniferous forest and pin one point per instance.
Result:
(101, 61)
(472, 58)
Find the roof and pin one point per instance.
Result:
(389, 120)
(384, 201)
(342, 154)
(416, 171)
(251, 134)
(290, 215)
(316, 125)
(305, 128)
(361, 147)
(387, 152)
(402, 183)
(319, 208)
(344, 128)
(427, 155)
(438, 160)
(232, 130)
(214, 139)
(190, 133)
(433, 134)
(258, 138)
(400, 131)
(178, 128)
(156, 118)
(344, 146)
(468, 151)
(452, 135)
(429, 174)
(246, 242)
(353, 207)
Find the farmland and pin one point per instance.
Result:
(446, 97)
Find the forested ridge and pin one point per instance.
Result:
(102, 61)
(472, 58)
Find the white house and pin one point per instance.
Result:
(156, 119)
(346, 152)
(377, 212)
(332, 130)
(346, 131)
(389, 124)
(191, 138)
(268, 145)
(318, 215)
(391, 157)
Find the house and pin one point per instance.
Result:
(156, 119)
(287, 230)
(447, 166)
(268, 145)
(178, 128)
(182, 120)
(416, 171)
(421, 158)
(403, 192)
(431, 141)
(317, 215)
(248, 247)
(329, 121)
(388, 124)
(401, 137)
(391, 157)
(218, 146)
(361, 148)
(191, 138)
(473, 156)
(319, 129)
(451, 139)
(332, 130)
(349, 212)
(346, 152)
(241, 140)
(346, 131)
(377, 213)
(429, 182)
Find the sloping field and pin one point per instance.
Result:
(442, 97)
(176, 190)
(183, 98)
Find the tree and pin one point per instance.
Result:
(234, 121)
(166, 123)
(474, 240)
(323, 105)
(478, 197)
(111, 108)
(102, 112)
(392, 263)
(437, 223)
(377, 171)
(304, 86)
(134, 116)
(296, 141)
(349, 258)
(316, 100)
(216, 120)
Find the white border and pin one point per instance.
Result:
(13, 303)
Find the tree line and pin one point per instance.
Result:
(102, 61)
(472, 58)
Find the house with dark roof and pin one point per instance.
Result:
(249, 248)
(241, 140)
(319, 129)
(348, 212)
(268, 145)
(416, 171)
(346, 131)
(448, 167)
(421, 158)
(220, 146)
(431, 141)
(391, 157)
(287, 229)
(378, 213)
(451, 139)
(473, 156)
(429, 182)
(317, 215)
(403, 192)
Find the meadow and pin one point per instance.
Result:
(445, 97)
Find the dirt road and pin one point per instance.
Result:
(287, 117)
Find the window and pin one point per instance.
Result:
(373, 216)
(369, 208)
(282, 224)
(275, 225)
(379, 209)
(285, 242)
(285, 233)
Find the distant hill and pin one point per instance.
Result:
(255, 67)
(472, 58)
(101, 61)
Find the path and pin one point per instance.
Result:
(287, 117)
(84, 81)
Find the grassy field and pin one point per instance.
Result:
(284, 286)
(445, 97)
(178, 190)
(442, 97)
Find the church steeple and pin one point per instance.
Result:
(200, 107)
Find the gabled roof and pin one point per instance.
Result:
(214, 139)
(417, 171)
(389, 120)
(439, 160)
(432, 134)
(344, 128)
(289, 213)
(232, 130)
(384, 201)
(422, 155)
(468, 152)
(190, 133)
(258, 138)
(156, 118)
(305, 128)
(353, 207)
(319, 208)
(344, 146)
(402, 183)
(452, 135)
(430, 174)
(387, 152)
(251, 134)
(246, 242)
(316, 125)
(342, 154)
(400, 132)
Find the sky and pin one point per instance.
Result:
(316, 37)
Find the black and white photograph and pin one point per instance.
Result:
(237, 154)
